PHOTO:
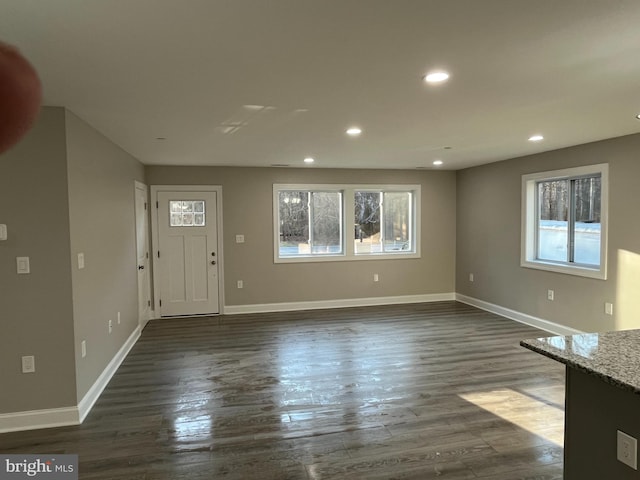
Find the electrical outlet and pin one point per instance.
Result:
(110, 326)
(608, 308)
(376, 277)
(550, 295)
(240, 284)
(471, 277)
(239, 238)
(28, 364)
(627, 450)
(83, 348)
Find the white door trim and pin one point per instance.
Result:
(155, 239)
(148, 312)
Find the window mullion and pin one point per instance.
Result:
(347, 224)
(536, 221)
(571, 233)
(383, 244)
(311, 220)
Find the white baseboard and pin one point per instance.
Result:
(87, 402)
(348, 302)
(61, 417)
(530, 320)
(36, 419)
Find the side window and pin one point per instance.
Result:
(565, 221)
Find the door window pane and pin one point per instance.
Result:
(176, 220)
(181, 213)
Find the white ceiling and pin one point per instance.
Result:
(195, 72)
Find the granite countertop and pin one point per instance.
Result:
(613, 357)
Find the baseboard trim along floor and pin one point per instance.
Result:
(75, 415)
(542, 324)
(347, 302)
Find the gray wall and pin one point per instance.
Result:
(488, 240)
(36, 316)
(247, 210)
(594, 412)
(64, 189)
(102, 220)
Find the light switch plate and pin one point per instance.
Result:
(23, 265)
(28, 364)
(3, 231)
(608, 308)
(80, 261)
(239, 238)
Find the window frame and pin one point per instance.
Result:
(348, 214)
(529, 217)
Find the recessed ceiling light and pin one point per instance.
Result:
(309, 160)
(437, 162)
(436, 77)
(638, 116)
(536, 138)
(354, 131)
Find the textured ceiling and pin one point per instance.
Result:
(264, 82)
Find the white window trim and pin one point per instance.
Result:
(528, 232)
(348, 213)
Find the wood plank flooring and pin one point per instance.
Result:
(439, 390)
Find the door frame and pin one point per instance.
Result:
(155, 189)
(142, 186)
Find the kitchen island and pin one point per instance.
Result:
(602, 397)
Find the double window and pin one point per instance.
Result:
(345, 222)
(564, 226)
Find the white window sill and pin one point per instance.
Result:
(347, 258)
(577, 270)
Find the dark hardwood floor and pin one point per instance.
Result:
(439, 390)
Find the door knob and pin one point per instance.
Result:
(213, 262)
(140, 267)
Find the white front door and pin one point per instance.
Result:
(187, 253)
(142, 249)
